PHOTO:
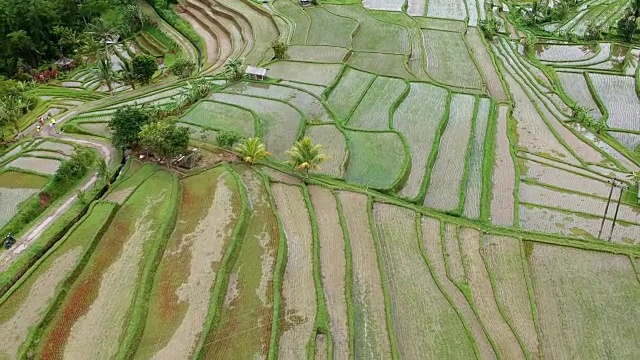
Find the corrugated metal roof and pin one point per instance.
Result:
(254, 70)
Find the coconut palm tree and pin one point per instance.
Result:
(104, 72)
(127, 75)
(304, 155)
(252, 150)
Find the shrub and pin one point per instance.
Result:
(144, 66)
(183, 68)
(228, 138)
(125, 126)
(490, 27)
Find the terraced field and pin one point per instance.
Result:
(463, 211)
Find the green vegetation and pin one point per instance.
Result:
(40, 31)
(305, 156)
(143, 67)
(252, 150)
(466, 176)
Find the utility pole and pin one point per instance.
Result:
(615, 216)
(606, 210)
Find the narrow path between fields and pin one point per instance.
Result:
(107, 152)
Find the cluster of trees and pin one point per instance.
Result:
(543, 11)
(34, 32)
(140, 69)
(14, 102)
(147, 130)
(628, 24)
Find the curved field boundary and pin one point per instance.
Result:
(577, 89)
(407, 274)
(377, 105)
(265, 29)
(332, 266)
(298, 287)
(421, 118)
(550, 53)
(205, 28)
(487, 68)
(334, 144)
(369, 159)
(348, 92)
(209, 208)
(374, 35)
(509, 278)
(311, 107)
(441, 47)
(33, 299)
(475, 179)
(430, 241)
(502, 207)
(277, 120)
(63, 333)
(301, 22)
(371, 339)
(618, 96)
(448, 172)
(247, 308)
(344, 28)
(222, 116)
(489, 311)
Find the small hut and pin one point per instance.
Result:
(256, 73)
(305, 2)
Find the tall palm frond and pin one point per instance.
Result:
(304, 155)
(127, 75)
(252, 150)
(104, 72)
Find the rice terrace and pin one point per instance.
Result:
(320, 179)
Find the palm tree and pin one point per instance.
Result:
(126, 74)
(104, 72)
(252, 150)
(304, 155)
(233, 69)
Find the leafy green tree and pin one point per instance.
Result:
(12, 108)
(68, 39)
(280, 49)
(633, 9)
(228, 138)
(252, 150)
(75, 167)
(164, 139)
(103, 171)
(233, 70)
(305, 156)
(125, 126)
(627, 27)
(183, 68)
(195, 91)
(593, 32)
(127, 75)
(490, 27)
(144, 66)
(104, 72)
